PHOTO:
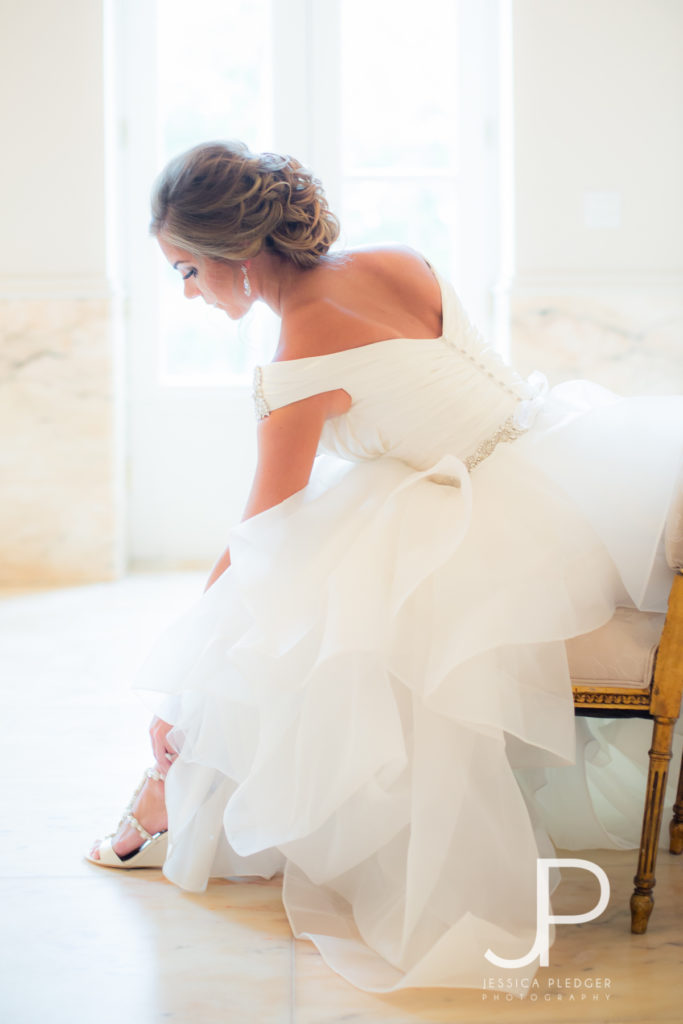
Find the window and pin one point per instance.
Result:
(398, 124)
(367, 94)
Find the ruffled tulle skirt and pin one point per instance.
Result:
(356, 700)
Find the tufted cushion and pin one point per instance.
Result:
(620, 653)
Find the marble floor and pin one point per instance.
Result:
(87, 946)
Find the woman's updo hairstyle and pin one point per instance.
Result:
(221, 201)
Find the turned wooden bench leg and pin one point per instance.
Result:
(676, 826)
(642, 900)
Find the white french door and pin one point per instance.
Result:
(394, 108)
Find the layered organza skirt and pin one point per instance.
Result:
(374, 699)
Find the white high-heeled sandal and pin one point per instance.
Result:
(151, 854)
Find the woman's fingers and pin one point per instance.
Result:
(164, 753)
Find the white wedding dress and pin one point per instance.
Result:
(355, 698)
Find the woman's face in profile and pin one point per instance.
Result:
(218, 283)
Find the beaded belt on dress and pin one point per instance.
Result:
(535, 388)
(507, 432)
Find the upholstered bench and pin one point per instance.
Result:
(633, 666)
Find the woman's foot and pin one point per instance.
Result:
(149, 809)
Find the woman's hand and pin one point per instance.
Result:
(164, 752)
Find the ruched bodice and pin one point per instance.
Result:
(415, 399)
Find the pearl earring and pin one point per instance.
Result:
(245, 282)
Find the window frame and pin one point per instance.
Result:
(306, 121)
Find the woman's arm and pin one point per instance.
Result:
(287, 443)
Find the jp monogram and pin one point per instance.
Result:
(543, 916)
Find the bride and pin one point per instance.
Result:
(379, 656)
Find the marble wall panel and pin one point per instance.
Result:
(628, 337)
(60, 514)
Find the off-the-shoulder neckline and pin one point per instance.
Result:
(369, 344)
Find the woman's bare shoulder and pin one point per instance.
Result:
(391, 261)
(359, 297)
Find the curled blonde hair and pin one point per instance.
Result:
(221, 201)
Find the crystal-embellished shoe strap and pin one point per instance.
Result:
(130, 819)
(128, 816)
